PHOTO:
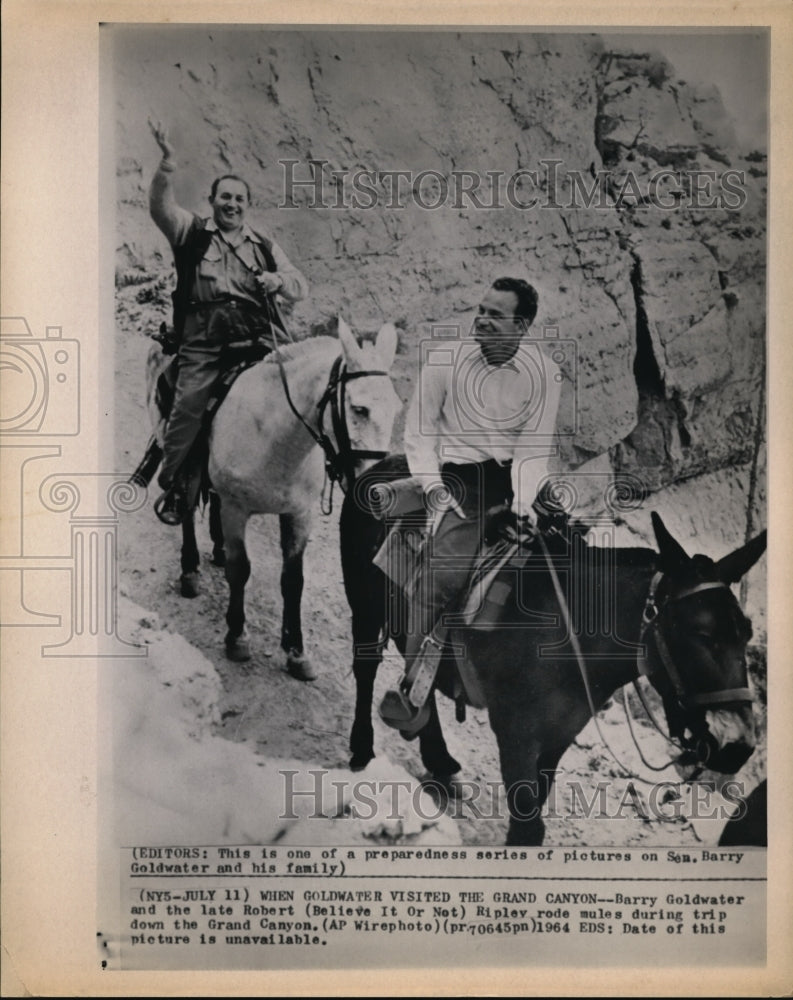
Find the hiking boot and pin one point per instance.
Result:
(396, 711)
(171, 506)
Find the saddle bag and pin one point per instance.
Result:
(400, 554)
(398, 498)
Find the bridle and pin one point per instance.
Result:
(340, 459)
(696, 747)
(652, 628)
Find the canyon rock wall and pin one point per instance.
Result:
(616, 188)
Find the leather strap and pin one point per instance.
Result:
(423, 671)
(652, 625)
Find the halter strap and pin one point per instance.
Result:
(651, 624)
(341, 462)
(339, 376)
(337, 462)
(651, 609)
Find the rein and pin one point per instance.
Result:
(338, 463)
(582, 664)
(651, 621)
(339, 460)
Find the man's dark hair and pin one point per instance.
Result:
(228, 177)
(526, 293)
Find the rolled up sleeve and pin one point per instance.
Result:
(170, 218)
(295, 286)
(422, 427)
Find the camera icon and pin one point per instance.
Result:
(39, 381)
(509, 398)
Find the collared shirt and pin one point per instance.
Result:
(231, 261)
(465, 410)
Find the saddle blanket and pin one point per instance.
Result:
(247, 356)
(194, 474)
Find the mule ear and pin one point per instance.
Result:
(386, 345)
(732, 567)
(673, 555)
(349, 345)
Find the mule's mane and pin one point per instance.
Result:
(300, 348)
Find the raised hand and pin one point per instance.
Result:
(160, 133)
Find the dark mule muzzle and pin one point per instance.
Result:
(719, 736)
(731, 758)
(703, 749)
(731, 736)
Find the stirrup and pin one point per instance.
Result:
(396, 711)
(171, 506)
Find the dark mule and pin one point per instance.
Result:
(673, 616)
(190, 557)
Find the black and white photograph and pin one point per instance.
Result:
(379, 203)
(421, 551)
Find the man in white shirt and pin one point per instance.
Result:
(479, 434)
(227, 277)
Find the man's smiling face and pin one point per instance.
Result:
(497, 329)
(229, 204)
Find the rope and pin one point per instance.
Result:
(629, 717)
(583, 671)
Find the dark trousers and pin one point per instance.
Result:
(203, 356)
(449, 554)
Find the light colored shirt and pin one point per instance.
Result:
(465, 410)
(231, 261)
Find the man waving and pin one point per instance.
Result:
(227, 277)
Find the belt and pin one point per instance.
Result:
(487, 463)
(230, 301)
(489, 480)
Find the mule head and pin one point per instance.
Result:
(696, 642)
(370, 401)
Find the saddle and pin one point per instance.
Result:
(484, 601)
(194, 474)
